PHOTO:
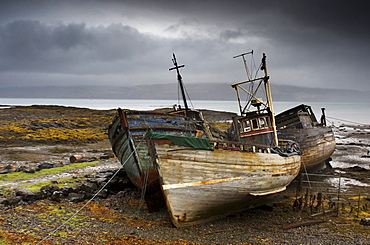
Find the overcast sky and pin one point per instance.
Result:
(313, 43)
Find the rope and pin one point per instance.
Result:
(308, 178)
(337, 128)
(146, 176)
(187, 95)
(143, 191)
(87, 203)
(346, 120)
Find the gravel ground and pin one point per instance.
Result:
(116, 220)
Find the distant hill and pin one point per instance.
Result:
(204, 91)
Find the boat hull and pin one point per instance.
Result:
(201, 185)
(317, 144)
(126, 138)
(316, 140)
(136, 163)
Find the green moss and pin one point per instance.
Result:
(24, 176)
(58, 124)
(70, 181)
(62, 134)
(3, 240)
(56, 212)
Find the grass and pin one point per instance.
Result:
(14, 176)
(5, 191)
(70, 181)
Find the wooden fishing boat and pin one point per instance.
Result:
(128, 144)
(203, 177)
(316, 140)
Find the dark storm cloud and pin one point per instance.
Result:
(311, 43)
(72, 48)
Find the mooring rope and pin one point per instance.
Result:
(343, 120)
(87, 203)
(306, 173)
(146, 175)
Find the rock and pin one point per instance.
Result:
(29, 170)
(92, 159)
(106, 174)
(44, 165)
(48, 190)
(88, 195)
(7, 169)
(56, 196)
(25, 169)
(11, 201)
(76, 197)
(104, 157)
(65, 190)
(58, 165)
(121, 194)
(365, 221)
(99, 181)
(103, 193)
(25, 194)
(39, 195)
(87, 187)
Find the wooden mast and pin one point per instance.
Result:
(179, 78)
(269, 98)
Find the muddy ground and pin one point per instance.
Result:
(32, 135)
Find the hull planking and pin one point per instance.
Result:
(203, 185)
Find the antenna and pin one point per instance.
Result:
(245, 63)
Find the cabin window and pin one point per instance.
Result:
(263, 123)
(254, 124)
(246, 126)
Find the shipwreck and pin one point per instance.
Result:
(176, 159)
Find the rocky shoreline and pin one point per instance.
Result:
(87, 206)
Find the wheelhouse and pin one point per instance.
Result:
(256, 129)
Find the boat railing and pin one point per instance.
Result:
(240, 146)
(286, 147)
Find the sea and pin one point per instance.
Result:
(336, 113)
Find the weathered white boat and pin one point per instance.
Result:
(200, 185)
(202, 177)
